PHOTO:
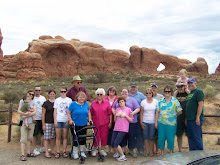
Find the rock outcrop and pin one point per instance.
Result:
(48, 57)
(2, 77)
(217, 71)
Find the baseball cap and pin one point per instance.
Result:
(133, 84)
(191, 80)
(154, 84)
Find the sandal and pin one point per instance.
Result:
(31, 155)
(23, 158)
(47, 156)
(65, 155)
(57, 155)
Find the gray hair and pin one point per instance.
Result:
(101, 90)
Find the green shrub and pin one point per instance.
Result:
(11, 96)
(209, 92)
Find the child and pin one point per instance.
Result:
(25, 108)
(123, 117)
(182, 81)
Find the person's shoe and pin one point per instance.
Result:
(83, 154)
(42, 149)
(103, 153)
(75, 155)
(116, 155)
(141, 153)
(36, 152)
(94, 153)
(134, 155)
(49, 150)
(122, 158)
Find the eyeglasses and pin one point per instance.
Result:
(167, 91)
(37, 90)
(62, 91)
(79, 82)
(31, 93)
(148, 93)
(99, 94)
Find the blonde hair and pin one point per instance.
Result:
(149, 89)
(183, 71)
(81, 94)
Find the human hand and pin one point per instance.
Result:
(198, 121)
(156, 125)
(44, 128)
(142, 125)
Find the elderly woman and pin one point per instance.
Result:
(135, 107)
(111, 97)
(27, 134)
(167, 111)
(101, 116)
(61, 106)
(147, 121)
(79, 114)
(48, 123)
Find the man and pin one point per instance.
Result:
(194, 115)
(181, 127)
(72, 92)
(158, 97)
(138, 96)
(38, 100)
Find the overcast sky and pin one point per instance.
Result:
(186, 29)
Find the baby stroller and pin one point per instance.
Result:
(89, 149)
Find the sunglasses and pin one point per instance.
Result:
(37, 90)
(31, 93)
(62, 91)
(79, 82)
(167, 91)
(99, 94)
(148, 93)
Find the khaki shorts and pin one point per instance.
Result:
(27, 135)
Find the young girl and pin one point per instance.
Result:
(123, 117)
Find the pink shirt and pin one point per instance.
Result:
(122, 124)
(100, 112)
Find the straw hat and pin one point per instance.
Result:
(76, 78)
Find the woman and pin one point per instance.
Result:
(27, 134)
(78, 113)
(61, 106)
(147, 121)
(101, 116)
(111, 98)
(166, 115)
(48, 123)
(134, 106)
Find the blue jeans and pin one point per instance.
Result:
(149, 131)
(139, 137)
(194, 133)
(132, 142)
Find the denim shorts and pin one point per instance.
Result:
(149, 131)
(62, 125)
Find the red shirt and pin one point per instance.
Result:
(72, 92)
(100, 112)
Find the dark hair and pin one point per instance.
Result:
(51, 91)
(121, 98)
(111, 88)
(64, 88)
(168, 87)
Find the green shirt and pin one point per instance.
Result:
(193, 98)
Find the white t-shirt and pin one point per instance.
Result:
(62, 105)
(149, 111)
(39, 102)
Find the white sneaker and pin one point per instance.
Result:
(103, 153)
(122, 158)
(36, 152)
(42, 149)
(83, 154)
(94, 153)
(75, 155)
(116, 155)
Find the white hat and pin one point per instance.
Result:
(76, 78)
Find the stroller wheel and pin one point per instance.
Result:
(101, 158)
(82, 160)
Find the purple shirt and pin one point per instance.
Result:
(72, 92)
(130, 103)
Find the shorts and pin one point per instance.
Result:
(26, 135)
(149, 131)
(49, 133)
(181, 127)
(117, 137)
(62, 125)
(38, 128)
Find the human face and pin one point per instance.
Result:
(63, 92)
(81, 99)
(180, 89)
(30, 95)
(183, 75)
(133, 89)
(100, 95)
(52, 95)
(37, 91)
(111, 92)
(121, 103)
(191, 86)
(124, 93)
(77, 84)
(167, 92)
(154, 89)
(149, 94)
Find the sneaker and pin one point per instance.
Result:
(134, 155)
(103, 153)
(83, 154)
(116, 155)
(94, 153)
(36, 152)
(42, 149)
(122, 158)
(75, 155)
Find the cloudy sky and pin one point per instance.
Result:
(187, 29)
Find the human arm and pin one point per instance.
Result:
(127, 117)
(55, 117)
(89, 116)
(156, 119)
(135, 111)
(110, 122)
(141, 117)
(69, 117)
(199, 112)
(43, 118)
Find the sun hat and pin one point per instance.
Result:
(77, 78)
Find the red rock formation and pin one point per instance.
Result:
(217, 71)
(1, 58)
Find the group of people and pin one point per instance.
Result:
(142, 122)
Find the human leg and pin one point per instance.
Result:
(161, 137)
(170, 136)
(58, 136)
(139, 138)
(65, 135)
(132, 138)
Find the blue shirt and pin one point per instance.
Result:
(79, 113)
(138, 97)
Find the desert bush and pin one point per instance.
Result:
(209, 92)
(97, 78)
(140, 78)
(11, 96)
